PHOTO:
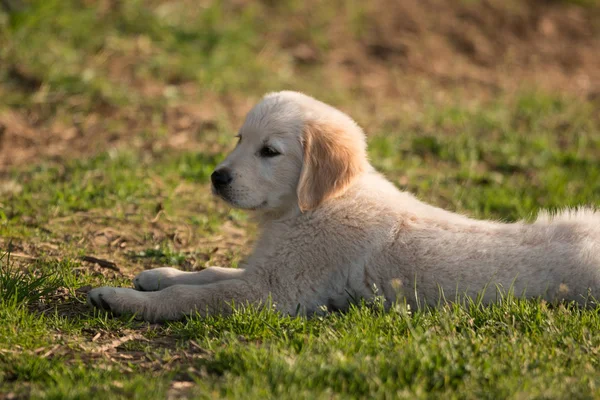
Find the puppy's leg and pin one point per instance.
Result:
(160, 278)
(177, 301)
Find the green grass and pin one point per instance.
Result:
(143, 204)
(503, 161)
(24, 287)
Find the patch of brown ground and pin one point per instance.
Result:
(489, 46)
(26, 137)
(117, 248)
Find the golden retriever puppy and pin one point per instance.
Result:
(333, 229)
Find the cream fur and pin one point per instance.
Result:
(333, 229)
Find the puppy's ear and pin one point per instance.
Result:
(333, 157)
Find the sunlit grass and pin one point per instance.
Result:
(143, 206)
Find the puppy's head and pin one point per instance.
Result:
(293, 152)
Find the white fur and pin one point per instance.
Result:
(367, 234)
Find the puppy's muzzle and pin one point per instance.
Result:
(221, 178)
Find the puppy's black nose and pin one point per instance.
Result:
(221, 177)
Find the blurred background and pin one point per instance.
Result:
(80, 76)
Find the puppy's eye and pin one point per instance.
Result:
(268, 152)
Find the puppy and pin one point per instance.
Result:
(333, 229)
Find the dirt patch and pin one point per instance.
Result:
(115, 248)
(26, 137)
(489, 46)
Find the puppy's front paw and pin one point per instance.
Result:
(155, 279)
(96, 299)
(117, 300)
